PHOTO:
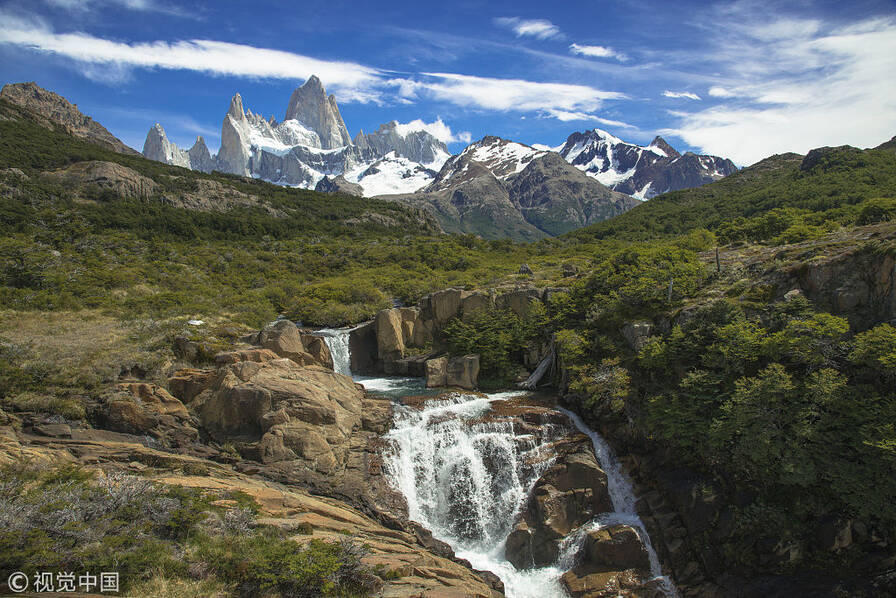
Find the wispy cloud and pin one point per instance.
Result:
(597, 52)
(537, 28)
(110, 60)
(793, 84)
(135, 5)
(686, 95)
(555, 99)
(353, 82)
(437, 128)
(718, 91)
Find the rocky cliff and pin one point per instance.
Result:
(56, 110)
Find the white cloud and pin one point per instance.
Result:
(717, 91)
(437, 129)
(798, 85)
(565, 116)
(112, 61)
(687, 95)
(512, 94)
(597, 52)
(351, 81)
(537, 28)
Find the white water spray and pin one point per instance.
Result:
(337, 342)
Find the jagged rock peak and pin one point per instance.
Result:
(661, 144)
(310, 106)
(236, 107)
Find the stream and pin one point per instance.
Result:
(466, 475)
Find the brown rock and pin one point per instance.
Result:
(568, 495)
(518, 301)
(256, 355)
(463, 372)
(318, 349)
(186, 384)
(389, 334)
(304, 415)
(443, 305)
(612, 562)
(283, 338)
(437, 372)
(473, 302)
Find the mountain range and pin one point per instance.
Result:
(493, 188)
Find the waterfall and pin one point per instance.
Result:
(337, 342)
(466, 475)
(623, 498)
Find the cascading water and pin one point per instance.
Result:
(466, 476)
(337, 343)
(623, 499)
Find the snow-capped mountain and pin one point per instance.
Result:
(312, 143)
(641, 171)
(498, 188)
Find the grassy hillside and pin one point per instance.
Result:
(784, 198)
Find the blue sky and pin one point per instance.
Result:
(738, 79)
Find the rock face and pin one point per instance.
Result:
(310, 106)
(283, 338)
(304, 415)
(57, 110)
(642, 172)
(108, 175)
(416, 146)
(339, 184)
(146, 409)
(569, 494)
(463, 372)
(613, 562)
(233, 156)
(157, 147)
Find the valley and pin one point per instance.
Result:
(243, 388)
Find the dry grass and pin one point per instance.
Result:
(159, 586)
(84, 350)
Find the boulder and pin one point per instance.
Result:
(463, 372)
(525, 270)
(317, 347)
(389, 334)
(186, 384)
(437, 372)
(294, 413)
(568, 495)
(612, 562)
(283, 338)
